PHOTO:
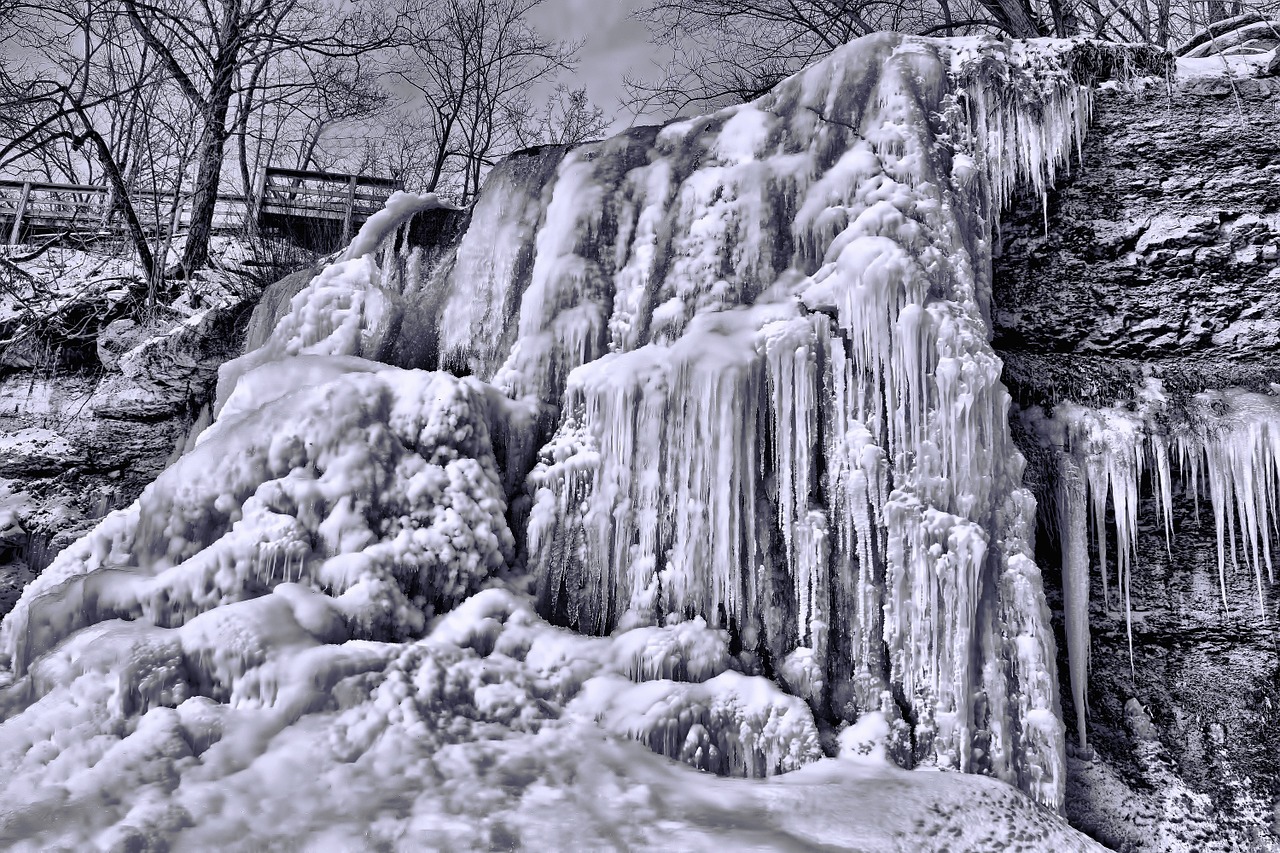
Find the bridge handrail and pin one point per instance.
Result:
(337, 195)
(333, 177)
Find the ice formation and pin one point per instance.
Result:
(1221, 445)
(777, 492)
(780, 410)
(351, 308)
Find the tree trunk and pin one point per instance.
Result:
(1014, 16)
(947, 29)
(209, 172)
(1162, 23)
(116, 179)
(1059, 19)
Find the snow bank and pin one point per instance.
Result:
(467, 739)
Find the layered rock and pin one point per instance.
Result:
(1145, 321)
(93, 408)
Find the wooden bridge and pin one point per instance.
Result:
(317, 210)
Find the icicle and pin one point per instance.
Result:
(1230, 442)
(1164, 488)
(1072, 534)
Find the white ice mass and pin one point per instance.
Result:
(776, 498)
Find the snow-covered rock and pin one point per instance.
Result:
(117, 338)
(37, 450)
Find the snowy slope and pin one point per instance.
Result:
(778, 447)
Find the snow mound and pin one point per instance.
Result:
(731, 725)
(378, 487)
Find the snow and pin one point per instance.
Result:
(1193, 71)
(866, 741)
(13, 507)
(400, 207)
(778, 444)
(60, 277)
(470, 737)
(39, 447)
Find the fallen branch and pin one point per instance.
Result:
(40, 250)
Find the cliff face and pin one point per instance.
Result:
(93, 405)
(1161, 249)
(1159, 271)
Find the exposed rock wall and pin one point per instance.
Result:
(1161, 260)
(1161, 250)
(81, 437)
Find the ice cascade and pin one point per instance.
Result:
(778, 406)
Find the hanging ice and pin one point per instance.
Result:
(1224, 442)
(787, 417)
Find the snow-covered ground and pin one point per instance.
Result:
(60, 276)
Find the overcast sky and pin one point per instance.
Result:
(612, 44)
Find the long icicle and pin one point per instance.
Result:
(1073, 533)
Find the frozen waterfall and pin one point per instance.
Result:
(779, 408)
(730, 470)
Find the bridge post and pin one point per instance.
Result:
(348, 216)
(258, 196)
(18, 213)
(108, 206)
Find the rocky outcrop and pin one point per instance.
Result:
(1161, 258)
(82, 436)
(174, 369)
(1162, 251)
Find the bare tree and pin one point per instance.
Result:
(112, 89)
(403, 150)
(727, 51)
(567, 118)
(63, 101)
(471, 62)
(206, 47)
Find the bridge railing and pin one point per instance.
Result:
(33, 203)
(340, 198)
(338, 202)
